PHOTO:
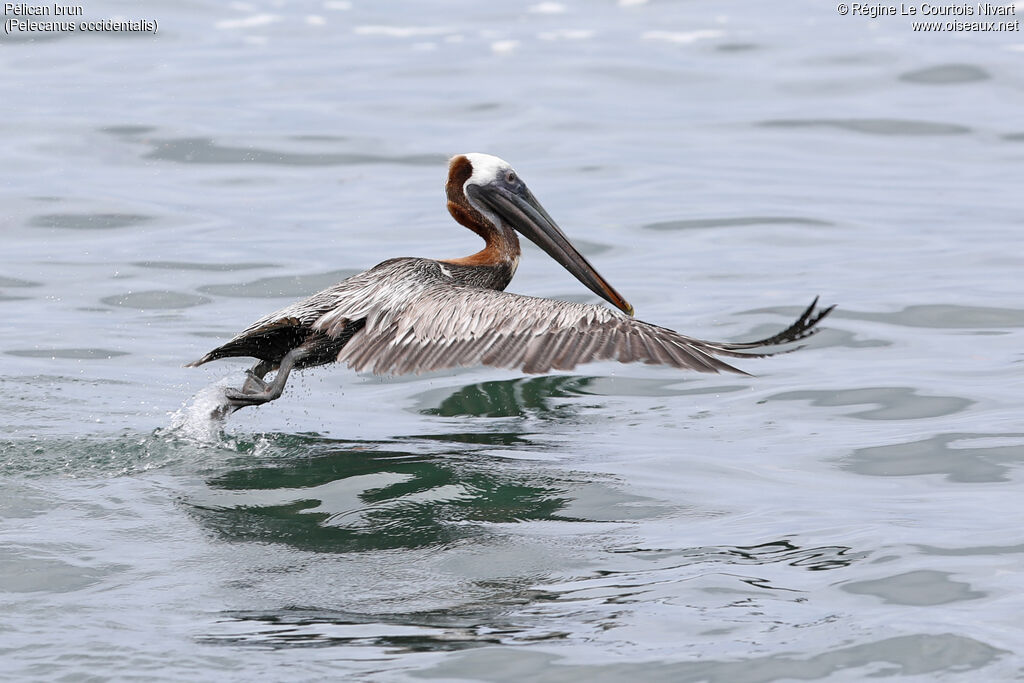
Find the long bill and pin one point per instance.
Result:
(524, 213)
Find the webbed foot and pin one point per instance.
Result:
(254, 384)
(239, 398)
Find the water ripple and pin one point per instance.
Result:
(873, 126)
(918, 588)
(946, 74)
(79, 353)
(206, 151)
(943, 316)
(894, 403)
(736, 222)
(439, 631)
(188, 265)
(784, 551)
(950, 454)
(923, 654)
(292, 286)
(155, 299)
(88, 221)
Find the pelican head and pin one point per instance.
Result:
(499, 196)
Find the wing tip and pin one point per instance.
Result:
(806, 325)
(803, 327)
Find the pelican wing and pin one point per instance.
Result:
(444, 325)
(340, 305)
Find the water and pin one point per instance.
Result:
(852, 511)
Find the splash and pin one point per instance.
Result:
(202, 417)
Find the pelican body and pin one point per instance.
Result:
(412, 315)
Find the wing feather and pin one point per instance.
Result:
(436, 325)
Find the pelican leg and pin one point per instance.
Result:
(265, 391)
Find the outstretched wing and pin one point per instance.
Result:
(445, 326)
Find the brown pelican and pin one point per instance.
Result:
(416, 314)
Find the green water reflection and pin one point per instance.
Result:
(345, 497)
(510, 398)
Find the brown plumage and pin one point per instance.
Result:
(412, 315)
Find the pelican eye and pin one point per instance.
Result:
(511, 177)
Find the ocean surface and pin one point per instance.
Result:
(852, 510)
